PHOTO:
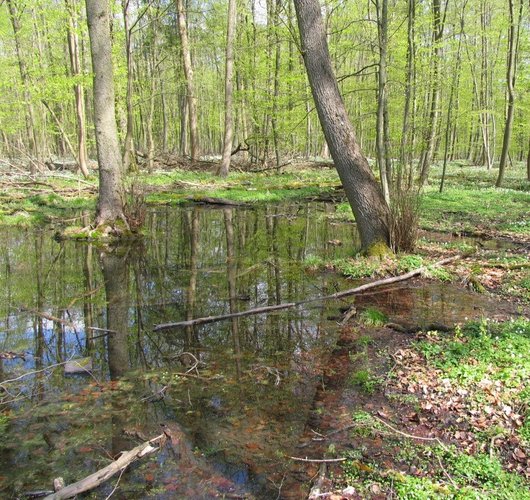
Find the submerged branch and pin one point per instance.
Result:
(289, 305)
(102, 475)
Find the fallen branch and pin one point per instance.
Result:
(102, 475)
(410, 436)
(289, 305)
(208, 200)
(213, 319)
(319, 460)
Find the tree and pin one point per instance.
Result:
(383, 153)
(31, 130)
(513, 44)
(363, 191)
(229, 71)
(188, 74)
(110, 200)
(438, 21)
(75, 67)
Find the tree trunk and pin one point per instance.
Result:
(513, 43)
(434, 114)
(129, 156)
(528, 163)
(110, 199)
(382, 102)
(405, 150)
(363, 191)
(24, 76)
(454, 85)
(229, 75)
(188, 74)
(75, 67)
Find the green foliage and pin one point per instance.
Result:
(365, 380)
(373, 317)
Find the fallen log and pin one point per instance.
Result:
(102, 475)
(208, 200)
(289, 305)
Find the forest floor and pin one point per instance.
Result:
(416, 412)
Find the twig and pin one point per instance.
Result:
(447, 473)
(319, 460)
(116, 485)
(31, 373)
(410, 436)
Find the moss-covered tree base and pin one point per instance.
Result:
(378, 249)
(103, 233)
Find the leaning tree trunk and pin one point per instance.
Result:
(110, 200)
(363, 191)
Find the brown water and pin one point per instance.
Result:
(245, 406)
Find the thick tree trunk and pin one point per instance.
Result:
(110, 200)
(229, 76)
(363, 191)
(188, 74)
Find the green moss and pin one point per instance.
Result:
(378, 249)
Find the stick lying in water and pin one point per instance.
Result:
(288, 305)
(102, 475)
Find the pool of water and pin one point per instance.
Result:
(239, 393)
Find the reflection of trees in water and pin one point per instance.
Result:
(116, 276)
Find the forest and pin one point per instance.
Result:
(265, 249)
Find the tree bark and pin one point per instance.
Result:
(229, 75)
(434, 114)
(513, 43)
(24, 76)
(110, 199)
(405, 150)
(382, 100)
(188, 74)
(75, 67)
(129, 157)
(363, 191)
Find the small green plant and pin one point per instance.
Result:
(373, 317)
(364, 341)
(365, 380)
(409, 262)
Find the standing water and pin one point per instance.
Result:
(238, 393)
(237, 396)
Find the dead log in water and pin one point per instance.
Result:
(289, 305)
(102, 475)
